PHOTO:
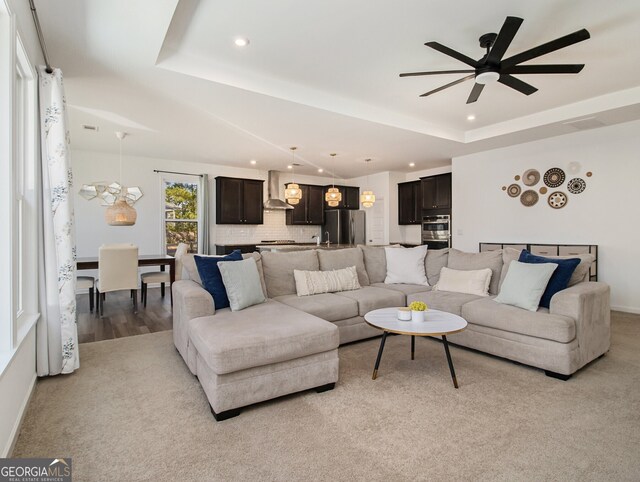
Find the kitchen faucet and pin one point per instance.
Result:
(317, 238)
(328, 241)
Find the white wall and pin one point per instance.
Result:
(606, 213)
(92, 231)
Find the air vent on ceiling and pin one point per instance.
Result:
(584, 124)
(90, 128)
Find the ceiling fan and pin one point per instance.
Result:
(492, 67)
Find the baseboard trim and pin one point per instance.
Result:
(627, 309)
(8, 450)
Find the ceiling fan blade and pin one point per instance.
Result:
(544, 69)
(452, 53)
(475, 93)
(517, 84)
(557, 44)
(450, 84)
(436, 72)
(505, 37)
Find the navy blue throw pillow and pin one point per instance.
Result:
(211, 277)
(560, 277)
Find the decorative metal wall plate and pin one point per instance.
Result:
(529, 197)
(576, 185)
(554, 177)
(557, 200)
(531, 177)
(514, 190)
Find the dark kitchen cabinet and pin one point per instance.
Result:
(310, 209)
(436, 192)
(350, 197)
(409, 202)
(239, 201)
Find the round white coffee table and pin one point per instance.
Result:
(437, 323)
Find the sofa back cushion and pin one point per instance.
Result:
(435, 260)
(331, 259)
(473, 261)
(375, 262)
(278, 269)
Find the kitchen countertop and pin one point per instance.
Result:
(300, 246)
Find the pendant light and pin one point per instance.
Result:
(293, 193)
(120, 213)
(333, 196)
(367, 198)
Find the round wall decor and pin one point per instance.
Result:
(543, 190)
(576, 185)
(529, 198)
(589, 174)
(516, 177)
(504, 188)
(514, 190)
(531, 177)
(573, 167)
(557, 200)
(554, 177)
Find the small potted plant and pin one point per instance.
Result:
(417, 310)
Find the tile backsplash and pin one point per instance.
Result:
(274, 227)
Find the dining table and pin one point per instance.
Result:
(162, 260)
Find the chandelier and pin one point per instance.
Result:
(118, 198)
(293, 193)
(333, 196)
(367, 198)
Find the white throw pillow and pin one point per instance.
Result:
(406, 265)
(473, 282)
(315, 282)
(524, 284)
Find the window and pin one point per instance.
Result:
(181, 215)
(18, 144)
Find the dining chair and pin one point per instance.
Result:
(84, 283)
(162, 277)
(117, 270)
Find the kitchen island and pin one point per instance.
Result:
(300, 246)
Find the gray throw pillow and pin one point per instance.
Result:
(242, 282)
(524, 284)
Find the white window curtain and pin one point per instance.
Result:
(203, 207)
(56, 334)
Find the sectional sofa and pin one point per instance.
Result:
(290, 343)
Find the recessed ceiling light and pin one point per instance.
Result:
(320, 170)
(241, 41)
(289, 166)
(253, 162)
(412, 164)
(471, 117)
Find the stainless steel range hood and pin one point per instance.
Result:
(273, 190)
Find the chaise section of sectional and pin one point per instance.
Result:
(260, 353)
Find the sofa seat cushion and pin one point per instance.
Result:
(371, 298)
(444, 300)
(327, 306)
(407, 289)
(540, 324)
(260, 335)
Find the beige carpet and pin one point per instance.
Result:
(134, 412)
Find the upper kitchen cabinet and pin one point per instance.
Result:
(436, 192)
(310, 209)
(239, 201)
(409, 202)
(350, 197)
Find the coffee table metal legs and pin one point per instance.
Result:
(413, 347)
(446, 350)
(375, 369)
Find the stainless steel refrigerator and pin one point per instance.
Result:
(344, 226)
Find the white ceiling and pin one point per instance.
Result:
(324, 76)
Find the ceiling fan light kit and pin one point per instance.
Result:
(493, 68)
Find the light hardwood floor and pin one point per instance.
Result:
(119, 320)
